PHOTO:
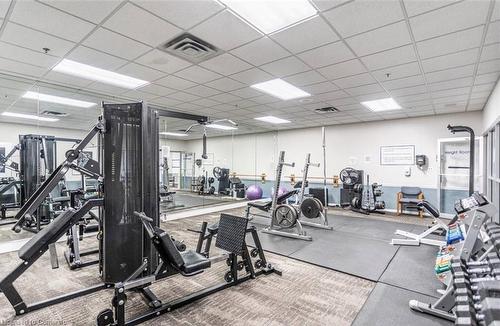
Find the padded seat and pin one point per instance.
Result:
(194, 262)
(47, 235)
(429, 207)
(188, 262)
(266, 205)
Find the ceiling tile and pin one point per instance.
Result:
(226, 64)
(261, 51)
(353, 81)
(113, 43)
(487, 78)
(389, 58)
(225, 31)
(450, 43)
(328, 4)
(246, 92)
(21, 68)
(225, 84)
(305, 78)
(416, 7)
(36, 58)
(157, 90)
(166, 101)
(483, 88)
(35, 40)
(175, 82)
(252, 76)
(490, 52)
(344, 69)
(4, 6)
(138, 95)
(449, 19)
(366, 89)
(327, 55)
(162, 61)
(66, 79)
(412, 90)
(380, 39)
(225, 98)
(320, 88)
(106, 88)
(453, 83)
(184, 97)
(54, 22)
(404, 70)
(142, 72)
(94, 11)
(205, 102)
(451, 60)
(361, 16)
(488, 66)
(142, 26)
(307, 35)
(202, 91)
(449, 74)
(373, 96)
(285, 67)
(182, 13)
(404, 82)
(197, 74)
(95, 58)
(451, 92)
(493, 34)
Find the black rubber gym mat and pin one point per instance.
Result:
(277, 244)
(347, 253)
(413, 268)
(388, 305)
(373, 229)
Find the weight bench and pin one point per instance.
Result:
(231, 234)
(266, 206)
(413, 239)
(35, 248)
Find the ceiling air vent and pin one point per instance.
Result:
(190, 48)
(328, 109)
(54, 113)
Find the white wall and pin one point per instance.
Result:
(355, 145)
(491, 111)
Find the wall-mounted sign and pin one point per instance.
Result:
(397, 155)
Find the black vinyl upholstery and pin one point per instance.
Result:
(188, 262)
(429, 207)
(47, 235)
(266, 205)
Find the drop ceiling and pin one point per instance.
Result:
(433, 57)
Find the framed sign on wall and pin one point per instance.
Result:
(397, 155)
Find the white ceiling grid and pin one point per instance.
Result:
(433, 57)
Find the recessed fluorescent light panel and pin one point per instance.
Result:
(384, 104)
(104, 76)
(280, 89)
(272, 119)
(28, 116)
(271, 16)
(174, 134)
(221, 127)
(57, 99)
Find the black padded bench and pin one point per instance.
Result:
(266, 205)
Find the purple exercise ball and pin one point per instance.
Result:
(254, 192)
(281, 191)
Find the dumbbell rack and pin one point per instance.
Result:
(475, 247)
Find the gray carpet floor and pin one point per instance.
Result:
(304, 295)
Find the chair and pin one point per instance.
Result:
(405, 199)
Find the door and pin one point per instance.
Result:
(453, 176)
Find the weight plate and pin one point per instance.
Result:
(311, 207)
(217, 172)
(285, 216)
